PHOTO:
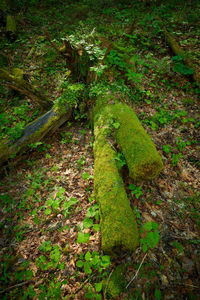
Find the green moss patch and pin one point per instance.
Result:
(118, 226)
(143, 160)
(116, 284)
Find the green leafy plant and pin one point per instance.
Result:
(151, 236)
(66, 137)
(50, 258)
(54, 203)
(180, 67)
(87, 176)
(52, 290)
(181, 144)
(71, 93)
(81, 161)
(90, 263)
(135, 190)
(82, 237)
(68, 205)
(120, 160)
(167, 149)
(178, 246)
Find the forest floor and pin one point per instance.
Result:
(50, 233)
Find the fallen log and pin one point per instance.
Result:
(35, 131)
(118, 226)
(177, 50)
(17, 83)
(143, 160)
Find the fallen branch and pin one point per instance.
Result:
(107, 283)
(17, 83)
(142, 158)
(119, 231)
(177, 50)
(16, 285)
(35, 131)
(82, 285)
(137, 271)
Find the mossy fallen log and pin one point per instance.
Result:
(143, 160)
(118, 226)
(17, 83)
(177, 50)
(35, 131)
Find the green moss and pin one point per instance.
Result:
(10, 24)
(116, 284)
(143, 160)
(59, 116)
(118, 226)
(17, 73)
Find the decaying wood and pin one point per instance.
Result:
(35, 131)
(16, 82)
(77, 59)
(118, 226)
(177, 50)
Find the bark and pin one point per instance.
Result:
(177, 50)
(77, 58)
(35, 131)
(17, 83)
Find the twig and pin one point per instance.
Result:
(137, 271)
(16, 285)
(107, 283)
(185, 284)
(82, 285)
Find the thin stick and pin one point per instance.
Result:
(137, 271)
(82, 285)
(107, 283)
(16, 285)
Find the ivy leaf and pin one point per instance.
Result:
(96, 227)
(47, 211)
(85, 175)
(166, 148)
(148, 226)
(83, 237)
(98, 286)
(158, 294)
(95, 260)
(79, 263)
(105, 261)
(144, 248)
(87, 223)
(88, 256)
(87, 268)
(116, 125)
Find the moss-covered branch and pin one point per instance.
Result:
(17, 83)
(35, 131)
(118, 226)
(177, 50)
(140, 153)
